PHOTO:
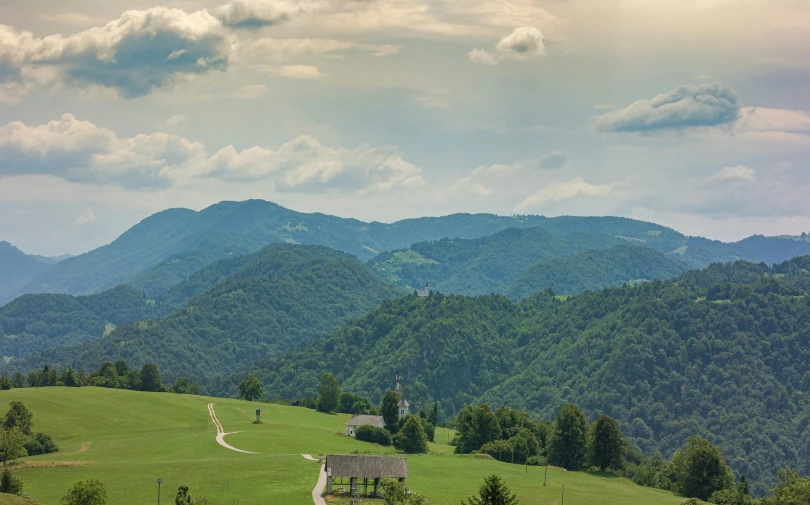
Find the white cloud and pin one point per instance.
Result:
(739, 172)
(253, 14)
(73, 19)
(684, 107)
(557, 192)
(481, 57)
(487, 180)
(134, 54)
(88, 216)
(79, 151)
(305, 72)
(523, 44)
(176, 121)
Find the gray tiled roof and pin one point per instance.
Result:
(361, 420)
(371, 467)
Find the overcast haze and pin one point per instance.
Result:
(694, 115)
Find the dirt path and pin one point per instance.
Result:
(221, 432)
(309, 457)
(317, 491)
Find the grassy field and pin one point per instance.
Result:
(128, 439)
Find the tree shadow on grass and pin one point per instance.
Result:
(605, 475)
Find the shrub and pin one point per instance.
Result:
(40, 443)
(10, 483)
(373, 434)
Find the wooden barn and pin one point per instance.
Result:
(348, 469)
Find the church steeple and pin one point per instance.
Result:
(404, 406)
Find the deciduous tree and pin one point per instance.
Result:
(706, 470)
(412, 438)
(569, 443)
(329, 393)
(607, 445)
(12, 444)
(389, 410)
(89, 492)
(150, 378)
(250, 388)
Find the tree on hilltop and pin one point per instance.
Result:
(19, 416)
(250, 388)
(150, 378)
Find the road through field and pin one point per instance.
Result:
(221, 432)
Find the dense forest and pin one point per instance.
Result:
(484, 265)
(594, 270)
(722, 353)
(281, 296)
(34, 323)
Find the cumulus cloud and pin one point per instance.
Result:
(253, 14)
(88, 216)
(138, 52)
(81, 152)
(305, 165)
(481, 57)
(564, 191)
(523, 44)
(685, 107)
(738, 173)
(485, 180)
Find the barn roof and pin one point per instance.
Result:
(370, 467)
(361, 420)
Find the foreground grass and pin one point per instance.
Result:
(128, 439)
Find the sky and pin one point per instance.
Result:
(692, 114)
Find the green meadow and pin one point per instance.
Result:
(128, 439)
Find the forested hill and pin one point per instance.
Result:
(596, 269)
(276, 298)
(18, 268)
(723, 352)
(519, 262)
(33, 323)
(483, 265)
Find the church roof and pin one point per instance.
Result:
(363, 420)
(404, 403)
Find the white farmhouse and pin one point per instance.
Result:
(358, 421)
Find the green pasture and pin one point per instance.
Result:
(128, 439)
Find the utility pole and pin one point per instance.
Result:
(563, 495)
(159, 481)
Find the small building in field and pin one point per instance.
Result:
(343, 469)
(358, 421)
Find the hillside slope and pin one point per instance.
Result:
(33, 323)
(722, 352)
(625, 264)
(129, 438)
(484, 265)
(18, 268)
(276, 298)
(240, 227)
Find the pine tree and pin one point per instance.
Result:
(493, 492)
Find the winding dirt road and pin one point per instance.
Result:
(221, 432)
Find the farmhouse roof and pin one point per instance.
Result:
(371, 467)
(362, 420)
